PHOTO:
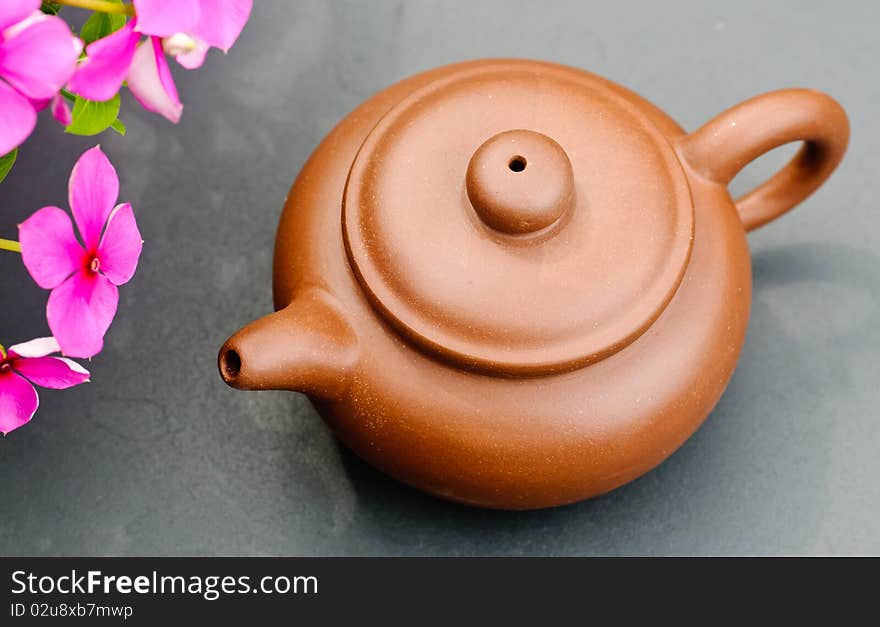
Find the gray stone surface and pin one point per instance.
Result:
(157, 456)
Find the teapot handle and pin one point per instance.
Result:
(728, 142)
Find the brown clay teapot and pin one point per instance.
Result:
(516, 284)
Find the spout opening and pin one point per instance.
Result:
(230, 365)
(305, 347)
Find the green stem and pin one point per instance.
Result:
(103, 6)
(10, 245)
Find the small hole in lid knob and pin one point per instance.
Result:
(517, 164)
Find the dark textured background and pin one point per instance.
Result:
(157, 456)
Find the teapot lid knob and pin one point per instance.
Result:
(520, 182)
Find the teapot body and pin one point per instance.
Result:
(510, 440)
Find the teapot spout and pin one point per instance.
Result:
(306, 347)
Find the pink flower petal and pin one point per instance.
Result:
(221, 21)
(163, 18)
(39, 59)
(121, 246)
(17, 118)
(80, 311)
(49, 249)
(56, 373)
(60, 110)
(18, 402)
(194, 58)
(101, 74)
(27, 22)
(12, 11)
(39, 103)
(93, 190)
(39, 347)
(150, 81)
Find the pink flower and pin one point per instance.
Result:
(38, 55)
(25, 364)
(182, 28)
(83, 277)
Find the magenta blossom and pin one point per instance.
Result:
(38, 55)
(185, 29)
(29, 363)
(83, 277)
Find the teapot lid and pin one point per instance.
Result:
(518, 218)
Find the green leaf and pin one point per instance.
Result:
(118, 126)
(6, 163)
(50, 8)
(99, 25)
(91, 117)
